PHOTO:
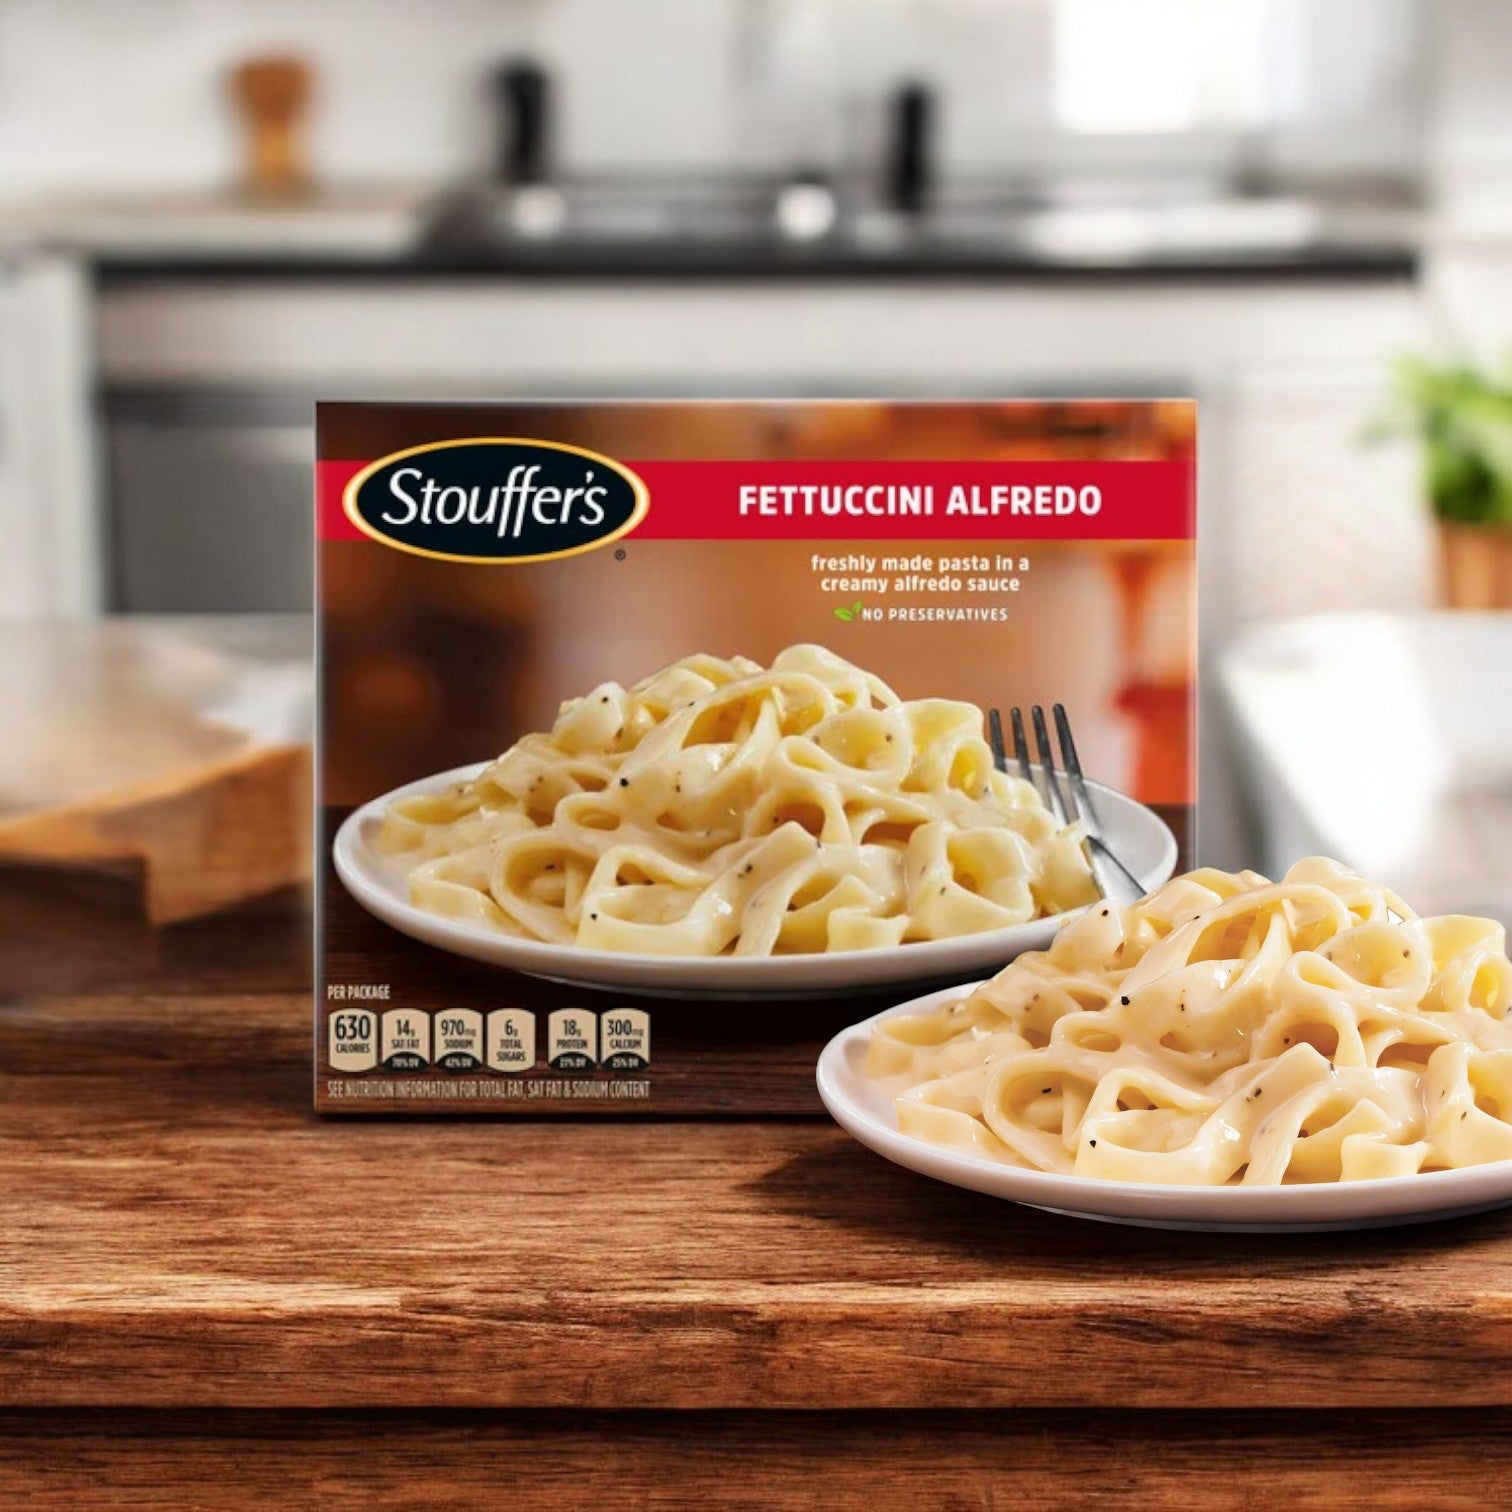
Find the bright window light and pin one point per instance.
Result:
(1130, 66)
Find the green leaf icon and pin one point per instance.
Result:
(845, 614)
(857, 609)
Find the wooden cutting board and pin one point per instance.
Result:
(173, 751)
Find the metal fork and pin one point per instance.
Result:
(1065, 793)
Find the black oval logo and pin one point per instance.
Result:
(496, 499)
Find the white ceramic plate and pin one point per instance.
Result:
(378, 883)
(863, 1106)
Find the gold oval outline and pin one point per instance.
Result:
(636, 482)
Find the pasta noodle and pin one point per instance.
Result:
(1227, 1029)
(719, 807)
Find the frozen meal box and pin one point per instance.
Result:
(658, 740)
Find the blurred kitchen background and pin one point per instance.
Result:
(214, 212)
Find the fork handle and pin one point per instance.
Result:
(1119, 885)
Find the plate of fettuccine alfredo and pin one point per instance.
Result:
(1227, 1053)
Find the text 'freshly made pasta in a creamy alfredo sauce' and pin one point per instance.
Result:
(1227, 1029)
(720, 807)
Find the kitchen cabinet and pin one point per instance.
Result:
(52, 560)
(211, 500)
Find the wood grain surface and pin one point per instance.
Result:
(67, 935)
(199, 839)
(172, 751)
(956, 1460)
(177, 1229)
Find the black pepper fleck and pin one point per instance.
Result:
(1124, 1001)
(1094, 1144)
(624, 782)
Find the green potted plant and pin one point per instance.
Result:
(1462, 417)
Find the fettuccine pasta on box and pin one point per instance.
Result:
(721, 807)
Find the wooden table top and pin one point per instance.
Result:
(177, 1229)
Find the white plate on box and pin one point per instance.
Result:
(379, 883)
(863, 1106)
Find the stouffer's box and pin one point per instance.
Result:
(655, 740)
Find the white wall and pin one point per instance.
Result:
(130, 94)
(125, 95)
(1469, 271)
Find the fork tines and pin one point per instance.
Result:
(1063, 789)
(1064, 794)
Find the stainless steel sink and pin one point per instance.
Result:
(504, 216)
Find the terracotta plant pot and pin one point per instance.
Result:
(1475, 566)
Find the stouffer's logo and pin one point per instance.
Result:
(496, 499)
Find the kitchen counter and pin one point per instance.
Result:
(211, 1293)
(681, 263)
(381, 230)
(353, 226)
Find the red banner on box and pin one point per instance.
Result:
(889, 501)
